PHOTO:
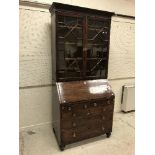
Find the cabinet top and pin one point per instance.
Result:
(83, 90)
(66, 7)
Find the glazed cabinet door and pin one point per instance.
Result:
(98, 32)
(69, 47)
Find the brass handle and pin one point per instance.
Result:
(108, 102)
(85, 106)
(74, 124)
(103, 117)
(88, 113)
(104, 109)
(74, 135)
(103, 128)
(74, 115)
(69, 108)
(95, 104)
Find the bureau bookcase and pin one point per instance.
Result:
(80, 51)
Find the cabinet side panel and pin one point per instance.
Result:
(56, 112)
(55, 99)
(53, 47)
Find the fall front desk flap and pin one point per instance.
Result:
(84, 90)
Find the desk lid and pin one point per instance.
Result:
(75, 91)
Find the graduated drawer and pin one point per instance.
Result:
(85, 109)
(84, 132)
(89, 122)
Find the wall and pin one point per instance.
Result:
(35, 56)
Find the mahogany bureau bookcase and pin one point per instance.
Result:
(82, 100)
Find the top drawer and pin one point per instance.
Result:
(85, 109)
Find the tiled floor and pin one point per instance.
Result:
(40, 140)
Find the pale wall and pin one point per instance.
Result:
(35, 58)
(125, 7)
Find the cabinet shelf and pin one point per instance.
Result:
(96, 28)
(93, 58)
(68, 43)
(74, 43)
(97, 44)
(70, 27)
(106, 40)
(80, 27)
(67, 70)
(61, 37)
(96, 58)
(67, 59)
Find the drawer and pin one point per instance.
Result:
(84, 105)
(82, 110)
(74, 135)
(89, 122)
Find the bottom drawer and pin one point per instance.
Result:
(74, 135)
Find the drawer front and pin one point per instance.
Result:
(90, 122)
(85, 109)
(77, 134)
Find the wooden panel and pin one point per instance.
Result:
(35, 48)
(117, 89)
(121, 54)
(35, 106)
(85, 132)
(84, 90)
(84, 110)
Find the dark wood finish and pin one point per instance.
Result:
(85, 90)
(83, 106)
(65, 7)
(125, 16)
(82, 110)
(80, 43)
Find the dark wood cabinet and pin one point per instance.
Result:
(80, 42)
(81, 110)
(82, 100)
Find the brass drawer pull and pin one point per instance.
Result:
(74, 115)
(103, 117)
(104, 109)
(88, 113)
(103, 128)
(85, 106)
(74, 135)
(74, 124)
(69, 108)
(95, 104)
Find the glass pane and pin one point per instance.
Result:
(69, 47)
(97, 53)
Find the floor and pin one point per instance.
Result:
(40, 140)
